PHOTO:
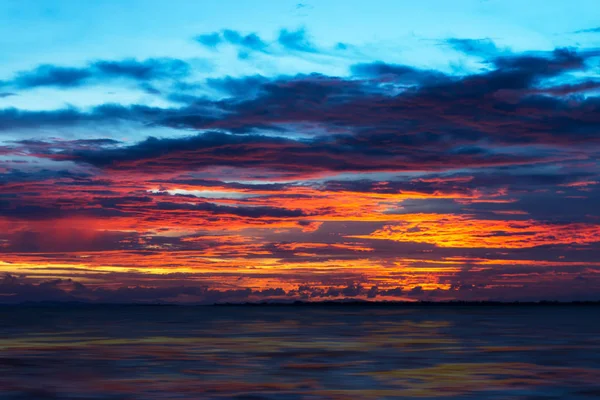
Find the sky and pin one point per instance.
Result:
(199, 152)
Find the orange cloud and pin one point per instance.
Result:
(449, 230)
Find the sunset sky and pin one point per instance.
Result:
(208, 151)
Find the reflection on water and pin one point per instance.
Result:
(294, 352)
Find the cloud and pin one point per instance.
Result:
(477, 47)
(589, 30)
(437, 109)
(440, 122)
(296, 40)
(241, 88)
(250, 212)
(389, 181)
(399, 73)
(210, 39)
(50, 75)
(463, 231)
(14, 118)
(150, 69)
(17, 289)
(251, 41)
(100, 71)
(221, 149)
(290, 40)
(246, 43)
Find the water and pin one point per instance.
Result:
(300, 352)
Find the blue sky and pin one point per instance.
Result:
(73, 32)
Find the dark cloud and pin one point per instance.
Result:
(51, 75)
(46, 145)
(477, 47)
(15, 289)
(537, 66)
(249, 212)
(150, 69)
(14, 175)
(294, 40)
(246, 43)
(515, 179)
(99, 71)
(251, 41)
(297, 40)
(500, 106)
(216, 148)
(153, 148)
(10, 209)
(241, 88)
(254, 187)
(398, 73)
(13, 118)
(440, 123)
(352, 290)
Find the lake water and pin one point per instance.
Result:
(300, 352)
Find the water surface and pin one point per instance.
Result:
(300, 352)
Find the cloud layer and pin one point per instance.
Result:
(390, 181)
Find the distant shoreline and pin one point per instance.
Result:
(317, 304)
(409, 303)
